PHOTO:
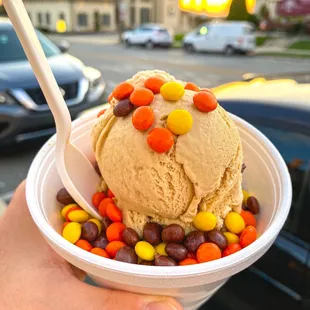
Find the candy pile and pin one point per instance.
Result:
(160, 246)
(138, 101)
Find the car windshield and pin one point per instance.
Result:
(11, 49)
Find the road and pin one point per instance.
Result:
(118, 63)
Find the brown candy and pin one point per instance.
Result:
(147, 263)
(130, 237)
(101, 242)
(89, 231)
(64, 197)
(123, 108)
(193, 240)
(253, 205)
(243, 168)
(176, 251)
(162, 260)
(217, 237)
(152, 232)
(126, 254)
(244, 206)
(173, 233)
(106, 222)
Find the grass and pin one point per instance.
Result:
(301, 45)
(261, 40)
(177, 44)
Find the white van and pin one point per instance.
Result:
(221, 36)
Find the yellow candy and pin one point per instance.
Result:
(72, 232)
(234, 222)
(179, 122)
(161, 249)
(145, 250)
(65, 209)
(205, 221)
(246, 195)
(98, 223)
(231, 238)
(172, 91)
(78, 216)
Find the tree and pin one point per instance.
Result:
(238, 10)
(264, 11)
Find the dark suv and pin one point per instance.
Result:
(281, 278)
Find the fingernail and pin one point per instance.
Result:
(160, 305)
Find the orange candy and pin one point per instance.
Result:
(205, 101)
(154, 84)
(231, 249)
(110, 97)
(103, 206)
(115, 231)
(188, 261)
(110, 194)
(160, 140)
(101, 112)
(141, 97)
(123, 91)
(249, 218)
(113, 247)
(84, 244)
(191, 86)
(114, 213)
(207, 252)
(70, 210)
(248, 236)
(143, 118)
(100, 252)
(97, 198)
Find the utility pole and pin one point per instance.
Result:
(119, 22)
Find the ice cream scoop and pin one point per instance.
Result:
(200, 172)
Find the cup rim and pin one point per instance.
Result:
(219, 265)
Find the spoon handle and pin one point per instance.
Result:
(34, 52)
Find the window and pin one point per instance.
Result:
(82, 19)
(144, 15)
(295, 149)
(62, 16)
(106, 19)
(48, 18)
(40, 18)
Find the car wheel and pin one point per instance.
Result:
(128, 44)
(229, 50)
(149, 45)
(190, 48)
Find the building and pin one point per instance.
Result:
(271, 6)
(100, 15)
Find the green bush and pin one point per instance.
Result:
(261, 40)
(179, 37)
(301, 45)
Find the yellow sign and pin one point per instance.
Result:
(212, 8)
(61, 25)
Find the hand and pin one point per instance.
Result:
(33, 276)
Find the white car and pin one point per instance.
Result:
(149, 35)
(227, 37)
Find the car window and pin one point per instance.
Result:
(295, 149)
(248, 30)
(11, 49)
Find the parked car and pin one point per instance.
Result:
(281, 278)
(226, 37)
(24, 113)
(148, 35)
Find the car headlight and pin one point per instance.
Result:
(93, 76)
(6, 98)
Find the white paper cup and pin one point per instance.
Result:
(266, 176)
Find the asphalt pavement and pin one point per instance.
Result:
(118, 63)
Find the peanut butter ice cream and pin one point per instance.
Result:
(200, 172)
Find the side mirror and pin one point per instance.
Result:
(64, 46)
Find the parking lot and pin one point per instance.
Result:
(118, 63)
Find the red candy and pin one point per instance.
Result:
(110, 194)
(103, 206)
(207, 252)
(123, 91)
(143, 118)
(248, 236)
(248, 217)
(141, 97)
(84, 244)
(115, 231)
(113, 247)
(191, 86)
(97, 198)
(188, 261)
(101, 112)
(231, 249)
(160, 140)
(114, 213)
(100, 252)
(204, 101)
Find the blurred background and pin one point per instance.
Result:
(255, 55)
